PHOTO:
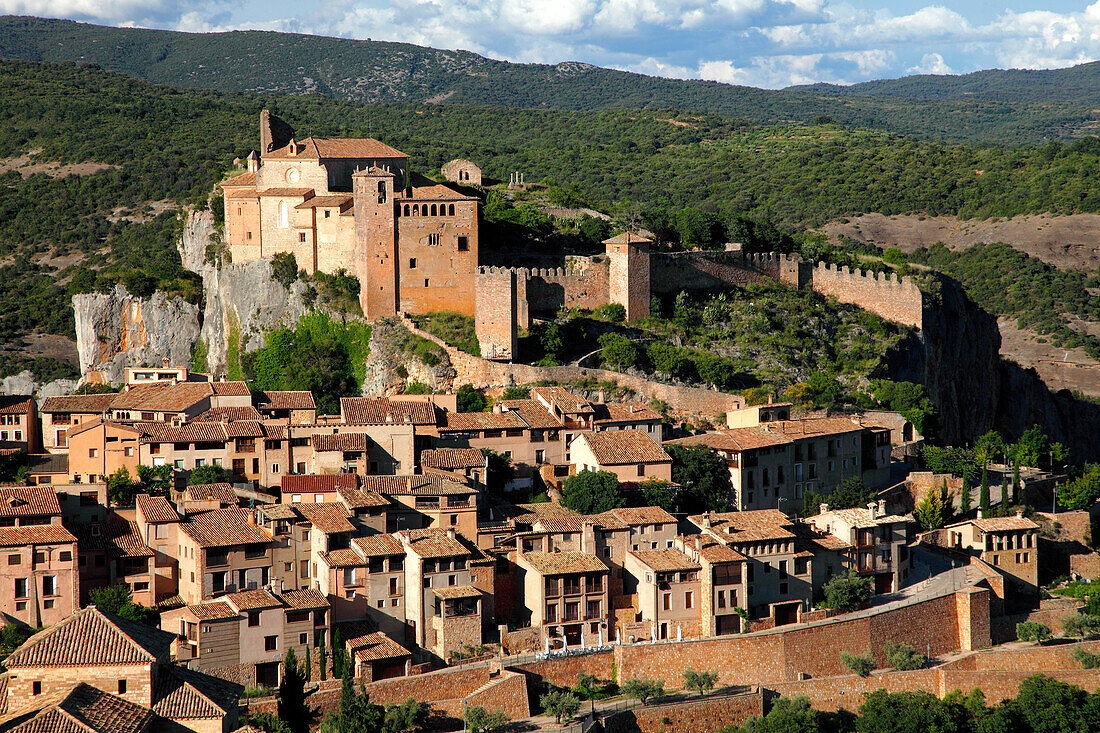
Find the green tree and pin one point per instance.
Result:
(1088, 660)
(1033, 631)
(338, 653)
(847, 592)
(267, 722)
(909, 712)
(155, 479)
(643, 689)
(120, 488)
(307, 665)
(861, 664)
(929, 513)
(1082, 625)
(787, 715)
(903, 656)
(703, 476)
(1083, 491)
(989, 447)
(293, 707)
(1047, 704)
(701, 681)
(408, 717)
(119, 600)
(586, 686)
(966, 499)
(592, 492)
(1016, 483)
(480, 720)
(501, 471)
(470, 399)
(322, 658)
(983, 492)
(516, 393)
(851, 494)
(208, 474)
(562, 704)
(1030, 448)
(355, 712)
(617, 351)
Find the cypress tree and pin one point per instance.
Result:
(1016, 483)
(322, 659)
(983, 496)
(293, 709)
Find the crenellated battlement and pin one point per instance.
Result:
(895, 298)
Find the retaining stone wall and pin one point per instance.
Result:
(699, 716)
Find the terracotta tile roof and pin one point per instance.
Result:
(79, 403)
(275, 432)
(383, 411)
(735, 440)
(429, 543)
(241, 179)
(379, 545)
(628, 238)
(225, 414)
(716, 552)
(457, 591)
(156, 509)
(163, 397)
(285, 400)
(223, 527)
(12, 404)
(192, 432)
(83, 709)
(665, 560)
(749, 526)
(124, 538)
(566, 401)
(415, 486)
(829, 542)
(811, 426)
(484, 421)
(27, 501)
(96, 422)
(375, 646)
(231, 389)
(247, 193)
(641, 515)
(561, 524)
(92, 637)
(315, 482)
(1003, 524)
(452, 458)
(558, 563)
(38, 534)
(251, 600)
(341, 201)
(307, 598)
(861, 517)
(618, 412)
(548, 509)
(329, 518)
(290, 191)
(222, 492)
(345, 557)
(278, 511)
(359, 499)
(213, 611)
(533, 412)
(360, 442)
(347, 148)
(184, 694)
(244, 429)
(618, 447)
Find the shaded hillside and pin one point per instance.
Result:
(998, 107)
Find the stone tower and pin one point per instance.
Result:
(628, 277)
(376, 242)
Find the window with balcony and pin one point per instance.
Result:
(571, 586)
(592, 610)
(572, 612)
(551, 612)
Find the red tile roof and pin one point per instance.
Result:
(156, 509)
(452, 458)
(26, 501)
(430, 543)
(92, 637)
(628, 238)
(125, 538)
(618, 447)
(558, 563)
(252, 600)
(222, 528)
(327, 518)
(624, 412)
(665, 560)
(379, 545)
(79, 403)
(285, 400)
(343, 558)
(231, 389)
(352, 442)
(38, 534)
(163, 397)
(533, 412)
(345, 148)
(317, 482)
(82, 709)
(192, 432)
(13, 404)
(484, 421)
(307, 598)
(184, 694)
(241, 179)
(373, 647)
(567, 402)
(222, 492)
(635, 516)
(213, 611)
(383, 411)
(735, 440)
(225, 414)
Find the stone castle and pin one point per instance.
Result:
(352, 203)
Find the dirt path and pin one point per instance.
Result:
(1062, 241)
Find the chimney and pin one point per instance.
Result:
(706, 520)
(450, 533)
(698, 542)
(1019, 511)
(166, 362)
(872, 507)
(882, 507)
(601, 397)
(822, 508)
(251, 515)
(253, 162)
(981, 514)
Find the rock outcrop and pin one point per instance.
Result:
(117, 330)
(25, 383)
(389, 367)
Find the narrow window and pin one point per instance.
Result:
(412, 263)
(463, 244)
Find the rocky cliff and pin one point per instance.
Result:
(25, 382)
(241, 300)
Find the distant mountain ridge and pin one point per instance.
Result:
(995, 106)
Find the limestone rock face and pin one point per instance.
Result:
(117, 330)
(25, 383)
(389, 368)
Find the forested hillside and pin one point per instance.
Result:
(697, 179)
(992, 107)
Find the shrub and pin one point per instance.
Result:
(1088, 660)
(592, 492)
(614, 312)
(1032, 631)
(903, 656)
(618, 352)
(470, 399)
(847, 592)
(284, 269)
(1082, 625)
(643, 689)
(701, 681)
(861, 664)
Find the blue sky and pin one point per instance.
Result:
(767, 43)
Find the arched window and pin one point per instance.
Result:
(416, 209)
(450, 210)
(433, 209)
(284, 216)
(406, 209)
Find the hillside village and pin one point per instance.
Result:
(180, 548)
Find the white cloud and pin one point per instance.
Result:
(930, 63)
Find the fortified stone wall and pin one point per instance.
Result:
(585, 285)
(494, 311)
(674, 272)
(895, 299)
(563, 671)
(701, 716)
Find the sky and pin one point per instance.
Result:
(763, 43)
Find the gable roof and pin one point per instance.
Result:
(11, 404)
(616, 412)
(340, 148)
(227, 414)
(618, 447)
(163, 397)
(375, 646)
(384, 411)
(565, 400)
(352, 442)
(665, 560)
(156, 509)
(640, 515)
(317, 482)
(329, 518)
(452, 458)
(285, 399)
(81, 709)
(433, 543)
(79, 403)
(223, 527)
(25, 501)
(557, 563)
(533, 412)
(221, 492)
(124, 537)
(92, 637)
(184, 694)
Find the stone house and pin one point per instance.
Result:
(632, 455)
(220, 552)
(566, 597)
(880, 541)
(19, 425)
(724, 583)
(1009, 544)
(667, 593)
(60, 414)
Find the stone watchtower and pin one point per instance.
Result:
(375, 242)
(628, 276)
